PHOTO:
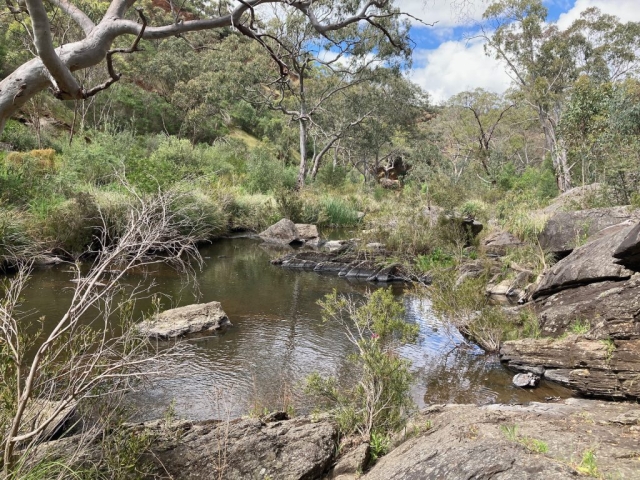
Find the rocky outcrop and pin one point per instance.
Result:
(612, 310)
(628, 252)
(176, 322)
(564, 231)
(245, 449)
(435, 214)
(515, 442)
(344, 265)
(498, 243)
(596, 368)
(593, 262)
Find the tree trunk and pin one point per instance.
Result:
(557, 150)
(303, 151)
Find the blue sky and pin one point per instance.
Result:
(447, 60)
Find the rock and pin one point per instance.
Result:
(607, 369)
(245, 449)
(469, 442)
(306, 232)
(40, 410)
(632, 417)
(526, 380)
(501, 289)
(564, 231)
(590, 263)
(46, 260)
(499, 242)
(337, 245)
(360, 215)
(176, 322)
(611, 308)
(434, 213)
(375, 246)
(364, 269)
(628, 252)
(354, 462)
(284, 232)
(390, 273)
(574, 199)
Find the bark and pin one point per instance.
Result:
(556, 148)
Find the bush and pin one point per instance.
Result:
(380, 401)
(331, 176)
(19, 136)
(265, 174)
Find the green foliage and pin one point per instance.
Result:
(510, 431)
(379, 444)
(580, 327)
(331, 176)
(589, 464)
(338, 213)
(19, 136)
(380, 400)
(436, 259)
(536, 446)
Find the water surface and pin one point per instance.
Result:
(278, 338)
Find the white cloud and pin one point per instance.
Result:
(626, 10)
(456, 66)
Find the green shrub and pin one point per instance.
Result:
(380, 400)
(19, 136)
(331, 176)
(436, 259)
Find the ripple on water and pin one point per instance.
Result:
(278, 338)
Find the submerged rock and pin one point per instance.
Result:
(176, 322)
(526, 380)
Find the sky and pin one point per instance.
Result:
(449, 57)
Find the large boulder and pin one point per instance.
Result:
(283, 232)
(590, 263)
(246, 449)
(565, 231)
(628, 252)
(611, 308)
(176, 322)
(598, 368)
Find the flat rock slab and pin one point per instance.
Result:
(469, 442)
(177, 322)
(246, 449)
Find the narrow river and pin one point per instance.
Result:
(278, 338)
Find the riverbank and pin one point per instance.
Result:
(539, 440)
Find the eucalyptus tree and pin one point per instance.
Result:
(322, 67)
(545, 61)
(94, 36)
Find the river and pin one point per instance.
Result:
(278, 338)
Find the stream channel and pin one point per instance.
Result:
(278, 338)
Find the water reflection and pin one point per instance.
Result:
(278, 338)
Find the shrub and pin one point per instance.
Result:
(331, 176)
(19, 136)
(380, 400)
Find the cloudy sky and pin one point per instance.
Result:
(448, 59)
